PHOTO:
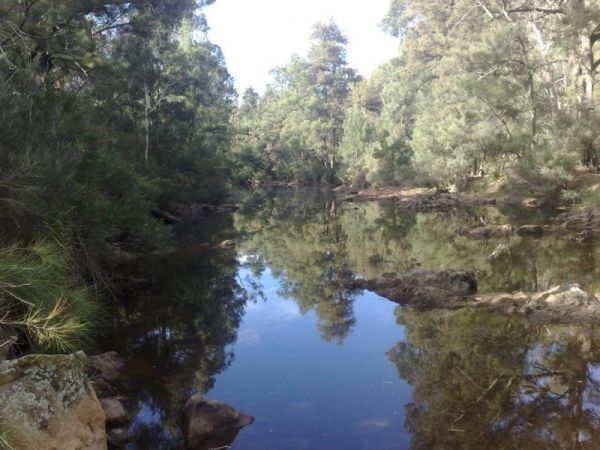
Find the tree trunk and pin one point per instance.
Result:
(587, 78)
(583, 60)
(548, 72)
(532, 101)
(147, 107)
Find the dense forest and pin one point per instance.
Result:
(114, 109)
(109, 108)
(497, 87)
(125, 149)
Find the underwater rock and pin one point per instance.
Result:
(47, 402)
(530, 231)
(6, 345)
(226, 244)
(118, 436)
(566, 303)
(211, 424)
(191, 212)
(166, 216)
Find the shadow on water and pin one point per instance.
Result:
(321, 366)
(175, 335)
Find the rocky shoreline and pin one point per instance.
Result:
(67, 402)
(455, 289)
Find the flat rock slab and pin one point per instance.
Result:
(421, 287)
(455, 289)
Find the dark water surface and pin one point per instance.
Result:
(270, 328)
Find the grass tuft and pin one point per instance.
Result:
(43, 298)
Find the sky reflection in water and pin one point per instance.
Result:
(307, 393)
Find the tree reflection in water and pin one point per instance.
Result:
(479, 381)
(177, 336)
(305, 246)
(484, 381)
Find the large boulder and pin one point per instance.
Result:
(211, 424)
(47, 402)
(420, 287)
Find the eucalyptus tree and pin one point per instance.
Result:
(294, 131)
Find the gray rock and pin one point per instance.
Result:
(114, 411)
(212, 424)
(48, 403)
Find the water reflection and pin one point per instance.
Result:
(321, 366)
(484, 381)
(305, 246)
(175, 335)
(293, 232)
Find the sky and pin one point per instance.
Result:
(258, 35)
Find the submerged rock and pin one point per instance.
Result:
(47, 402)
(420, 287)
(212, 424)
(456, 289)
(587, 219)
(106, 365)
(488, 231)
(195, 211)
(114, 411)
(118, 436)
(226, 244)
(566, 303)
(6, 346)
(530, 230)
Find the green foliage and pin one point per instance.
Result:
(5, 438)
(476, 89)
(43, 298)
(293, 132)
(110, 109)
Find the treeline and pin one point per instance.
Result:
(497, 87)
(110, 108)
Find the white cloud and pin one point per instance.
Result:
(258, 35)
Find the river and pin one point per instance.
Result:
(271, 328)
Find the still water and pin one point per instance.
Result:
(271, 329)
